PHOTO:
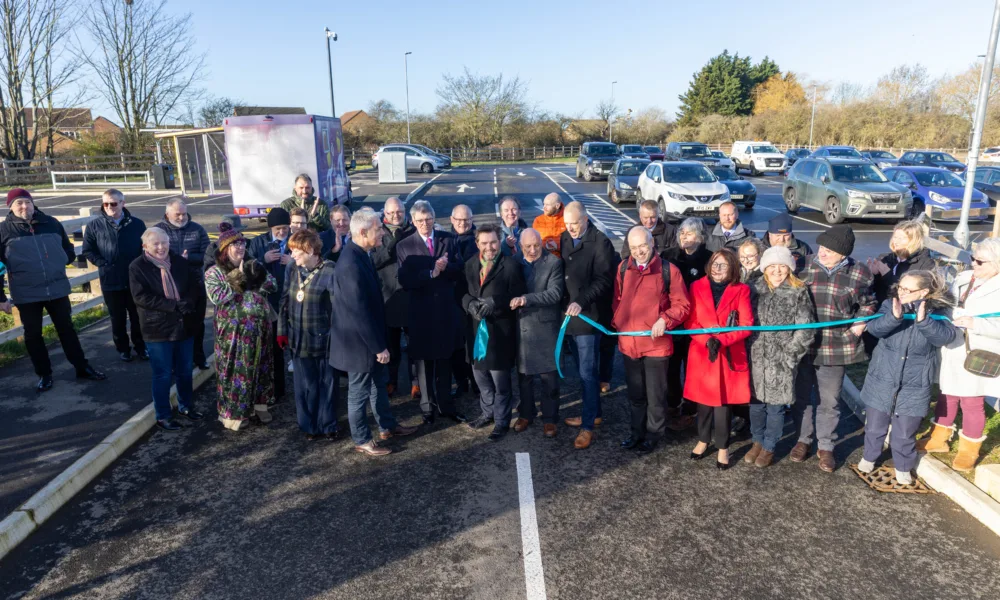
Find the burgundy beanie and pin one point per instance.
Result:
(227, 235)
(16, 193)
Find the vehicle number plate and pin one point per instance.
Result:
(737, 196)
(885, 207)
(704, 208)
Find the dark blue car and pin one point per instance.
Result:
(933, 186)
(741, 191)
(930, 158)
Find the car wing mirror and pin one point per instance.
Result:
(825, 179)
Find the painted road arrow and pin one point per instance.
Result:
(465, 186)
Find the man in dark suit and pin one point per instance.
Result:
(357, 336)
(428, 271)
(494, 280)
(465, 244)
(590, 262)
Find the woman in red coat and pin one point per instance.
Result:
(718, 373)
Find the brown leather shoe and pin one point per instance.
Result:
(397, 431)
(764, 459)
(549, 430)
(372, 449)
(521, 424)
(826, 462)
(583, 440)
(799, 453)
(753, 453)
(605, 387)
(578, 421)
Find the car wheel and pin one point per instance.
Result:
(638, 196)
(753, 170)
(587, 176)
(663, 210)
(832, 211)
(791, 202)
(748, 205)
(916, 210)
(736, 166)
(427, 168)
(579, 175)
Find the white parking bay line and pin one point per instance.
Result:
(534, 579)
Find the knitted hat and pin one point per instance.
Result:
(780, 223)
(227, 235)
(235, 221)
(277, 217)
(777, 255)
(839, 238)
(16, 193)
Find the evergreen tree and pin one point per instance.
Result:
(724, 86)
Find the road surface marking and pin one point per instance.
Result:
(496, 192)
(534, 578)
(210, 199)
(496, 208)
(423, 185)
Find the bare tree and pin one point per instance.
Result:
(215, 111)
(479, 107)
(606, 112)
(145, 60)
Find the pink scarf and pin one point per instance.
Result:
(169, 287)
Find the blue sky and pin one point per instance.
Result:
(274, 53)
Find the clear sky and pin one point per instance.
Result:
(569, 52)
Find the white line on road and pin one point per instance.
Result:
(210, 199)
(534, 579)
(496, 192)
(614, 208)
(423, 185)
(151, 200)
(496, 208)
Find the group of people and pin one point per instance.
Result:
(341, 292)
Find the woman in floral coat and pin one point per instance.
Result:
(243, 320)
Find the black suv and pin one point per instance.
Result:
(690, 151)
(596, 160)
(929, 158)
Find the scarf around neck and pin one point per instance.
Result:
(169, 286)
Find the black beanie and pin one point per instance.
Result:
(839, 238)
(278, 216)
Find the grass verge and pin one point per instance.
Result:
(14, 349)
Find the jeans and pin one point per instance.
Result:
(586, 350)
(973, 414)
(121, 305)
(828, 382)
(902, 439)
(316, 386)
(166, 359)
(767, 423)
(495, 397)
(434, 378)
(718, 418)
(365, 388)
(646, 381)
(550, 397)
(61, 312)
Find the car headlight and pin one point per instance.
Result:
(857, 194)
(624, 185)
(675, 195)
(725, 196)
(936, 197)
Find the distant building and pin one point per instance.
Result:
(357, 122)
(252, 111)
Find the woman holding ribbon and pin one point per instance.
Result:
(238, 288)
(978, 293)
(897, 389)
(719, 359)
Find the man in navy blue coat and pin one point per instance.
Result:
(358, 342)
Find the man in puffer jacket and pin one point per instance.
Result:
(35, 249)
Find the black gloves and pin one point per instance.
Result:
(473, 308)
(714, 345)
(185, 307)
(487, 307)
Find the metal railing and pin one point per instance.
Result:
(19, 172)
(120, 179)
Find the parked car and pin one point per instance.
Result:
(596, 160)
(757, 157)
(880, 158)
(794, 154)
(682, 189)
(654, 152)
(690, 151)
(416, 158)
(931, 158)
(933, 186)
(845, 188)
(988, 182)
(723, 160)
(836, 152)
(634, 151)
(992, 154)
(741, 191)
(624, 179)
(444, 157)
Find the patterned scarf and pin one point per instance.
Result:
(169, 287)
(485, 267)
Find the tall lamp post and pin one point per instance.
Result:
(406, 71)
(611, 118)
(812, 121)
(329, 64)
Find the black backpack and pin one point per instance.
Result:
(664, 271)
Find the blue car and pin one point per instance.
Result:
(937, 187)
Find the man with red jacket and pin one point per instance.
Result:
(647, 298)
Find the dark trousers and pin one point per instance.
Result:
(278, 372)
(434, 379)
(767, 422)
(200, 308)
(902, 439)
(646, 382)
(121, 306)
(718, 418)
(606, 363)
(60, 310)
(461, 370)
(316, 385)
(395, 338)
(550, 397)
(828, 383)
(495, 397)
(675, 388)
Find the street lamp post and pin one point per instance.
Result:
(611, 118)
(406, 71)
(329, 64)
(813, 120)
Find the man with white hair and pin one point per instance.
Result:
(111, 241)
(358, 342)
(664, 234)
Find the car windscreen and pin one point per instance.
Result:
(695, 151)
(940, 157)
(654, 149)
(858, 174)
(631, 167)
(725, 174)
(687, 174)
(632, 148)
(602, 150)
(718, 154)
(939, 179)
(765, 150)
(799, 152)
(843, 153)
(881, 154)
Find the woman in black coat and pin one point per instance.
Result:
(493, 280)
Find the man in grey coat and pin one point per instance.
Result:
(729, 231)
(538, 316)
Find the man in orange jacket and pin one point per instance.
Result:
(550, 224)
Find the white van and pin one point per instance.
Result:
(757, 157)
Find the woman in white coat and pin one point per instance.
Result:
(978, 293)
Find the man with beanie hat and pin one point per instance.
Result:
(841, 288)
(36, 250)
(779, 233)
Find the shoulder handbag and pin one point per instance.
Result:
(981, 362)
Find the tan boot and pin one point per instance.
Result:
(968, 453)
(938, 439)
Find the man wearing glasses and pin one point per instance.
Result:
(111, 241)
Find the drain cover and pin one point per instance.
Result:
(883, 479)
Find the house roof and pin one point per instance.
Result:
(252, 111)
(347, 117)
(65, 118)
(106, 120)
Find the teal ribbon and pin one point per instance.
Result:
(483, 338)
